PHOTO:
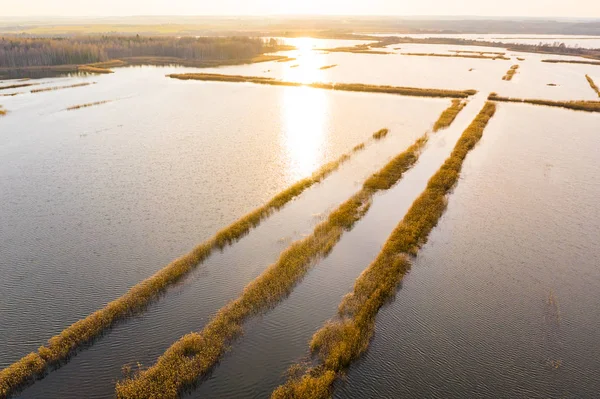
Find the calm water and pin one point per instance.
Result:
(97, 199)
(502, 301)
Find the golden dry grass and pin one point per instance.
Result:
(17, 86)
(449, 115)
(572, 62)
(59, 348)
(511, 72)
(477, 52)
(61, 87)
(593, 85)
(328, 67)
(458, 55)
(93, 69)
(195, 354)
(74, 107)
(588, 106)
(381, 133)
(341, 341)
(406, 91)
(2, 111)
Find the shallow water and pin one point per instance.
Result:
(502, 301)
(97, 199)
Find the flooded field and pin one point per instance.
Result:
(108, 178)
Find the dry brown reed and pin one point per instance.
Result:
(93, 69)
(572, 62)
(593, 85)
(17, 86)
(407, 91)
(195, 354)
(458, 55)
(74, 107)
(511, 72)
(448, 116)
(588, 106)
(328, 67)
(342, 340)
(61, 87)
(60, 347)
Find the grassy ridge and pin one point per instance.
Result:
(477, 52)
(74, 107)
(458, 55)
(572, 62)
(196, 353)
(93, 69)
(61, 87)
(588, 106)
(60, 347)
(16, 86)
(511, 72)
(407, 91)
(593, 85)
(341, 341)
(448, 116)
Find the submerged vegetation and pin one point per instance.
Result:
(407, 91)
(60, 347)
(196, 353)
(458, 55)
(588, 106)
(448, 116)
(88, 105)
(339, 342)
(511, 72)
(593, 84)
(328, 66)
(62, 87)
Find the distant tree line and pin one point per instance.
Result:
(23, 52)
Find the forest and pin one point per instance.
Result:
(30, 52)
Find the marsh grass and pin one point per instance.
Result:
(572, 62)
(381, 133)
(593, 85)
(342, 340)
(59, 348)
(406, 91)
(2, 111)
(588, 106)
(449, 115)
(458, 55)
(328, 67)
(295, 66)
(477, 52)
(511, 72)
(288, 59)
(195, 354)
(93, 69)
(17, 86)
(74, 107)
(520, 59)
(62, 87)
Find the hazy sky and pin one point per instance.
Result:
(536, 8)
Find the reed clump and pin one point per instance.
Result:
(93, 69)
(449, 115)
(458, 55)
(520, 59)
(572, 62)
(60, 347)
(74, 107)
(61, 87)
(2, 111)
(328, 67)
(341, 341)
(477, 52)
(196, 353)
(287, 59)
(381, 133)
(511, 72)
(407, 91)
(588, 106)
(593, 84)
(17, 86)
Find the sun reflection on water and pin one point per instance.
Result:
(305, 123)
(308, 60)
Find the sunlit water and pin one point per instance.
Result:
(97, 199)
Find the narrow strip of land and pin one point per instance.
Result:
(74, 107)
(59, 348)
(449, 115)
(62, 87)
(588, 106)
(328, 67)
(572, 62)
(406, 91)
(17, 86)
(196, 353)
(341, 341)
(593, 84)
(458, 55)
(511, 72)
